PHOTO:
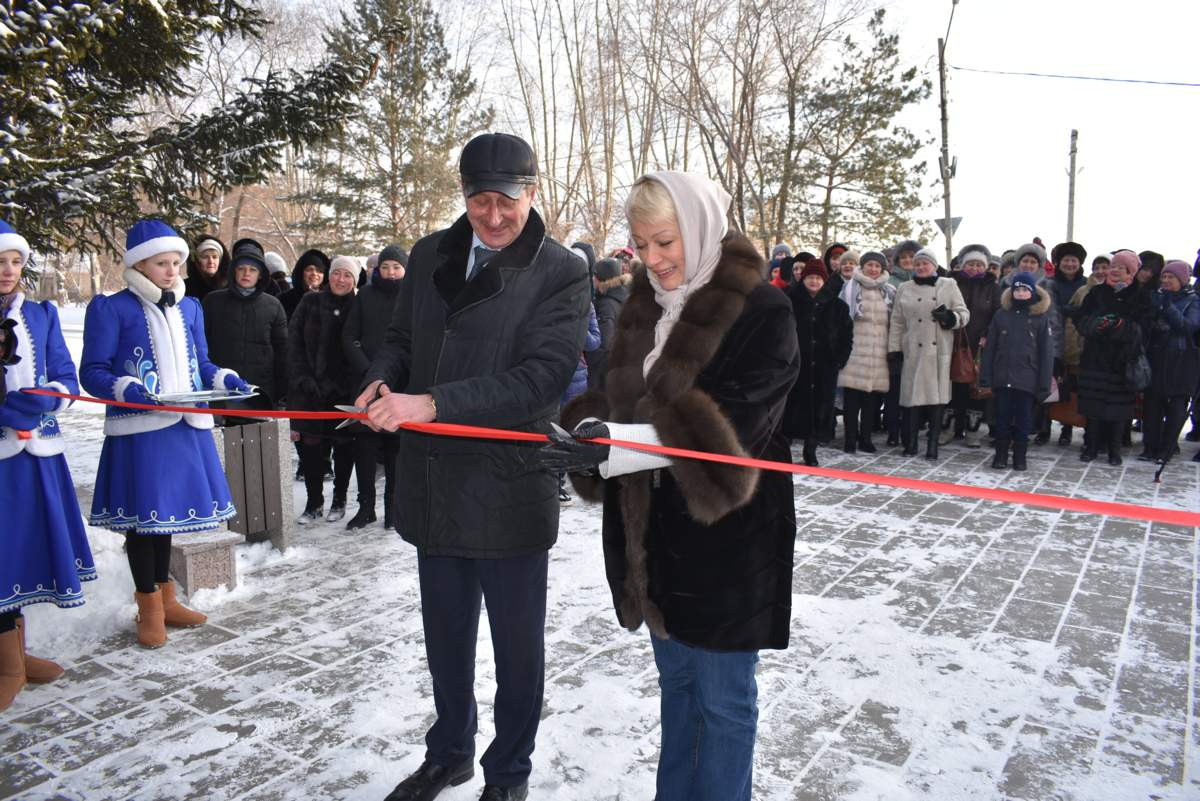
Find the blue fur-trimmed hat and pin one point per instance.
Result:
(11, 240)
(148, 238)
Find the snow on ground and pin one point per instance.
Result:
(941, 649)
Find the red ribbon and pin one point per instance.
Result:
(1111, 508)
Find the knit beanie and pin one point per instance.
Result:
(783, 249)
(148, 238)
(394, 253)
(815, 267)
(1179, 269)
(927, 255)
(849, 256)
(11, 240)
(275, 263)
(1025, 280)
(873, 255)
(209, 244)
(1127, 259)
(348, 263)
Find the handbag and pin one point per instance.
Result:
(963, 368)
(1137, 371)
(978, 392)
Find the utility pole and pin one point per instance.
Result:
(946, 165)
(1071, 187)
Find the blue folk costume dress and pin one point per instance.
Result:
(159, 472)
(44, 545)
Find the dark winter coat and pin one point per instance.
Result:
(367, 324)
(197, 284)
(291, 298)
(579, 379)
(1020, 348)
(982, 296)
(1104, 393)
(1061, 290)
(320, 373)
(1174, 351)
(249, 335)
(699, 551)
(825, 335)
(612, 290)
(496, 351)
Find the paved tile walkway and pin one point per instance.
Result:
(942, 649)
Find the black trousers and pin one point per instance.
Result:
(369, 447)
(149, 559)
(1162, 421)
(861, 409)
(314, 455)
(515, 592)
(891, 407)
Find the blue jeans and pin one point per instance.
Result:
(1014, 414)
(709, 719)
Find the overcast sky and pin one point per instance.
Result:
(1139, 169)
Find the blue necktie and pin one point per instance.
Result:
(482, 257)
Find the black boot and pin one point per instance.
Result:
(1000, 460)
(935, 431)
(431, 779)
(563, 495)
(810, 452)
(1114, 446)
(1064, 437)
(850, 428)
(364, 517)
(1091, 442)
(865, 444)
(1019, 455)
(911, 426)
(1043, 434)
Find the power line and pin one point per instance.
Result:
(1074, 77)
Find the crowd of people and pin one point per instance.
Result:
(687, 338)
(895, 343)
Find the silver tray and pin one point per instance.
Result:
(203, 396)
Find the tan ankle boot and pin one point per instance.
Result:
(12, 667)
(37, 671)
(151, 631)
(177, 614)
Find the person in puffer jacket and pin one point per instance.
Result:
(1017, 363)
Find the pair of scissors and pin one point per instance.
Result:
(354, 410)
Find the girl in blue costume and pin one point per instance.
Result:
(44, 545)
(159, 473)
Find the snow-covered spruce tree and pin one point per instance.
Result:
(74, 169)
(391, 178)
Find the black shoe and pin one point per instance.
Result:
(810, 453)
(1042, 438)
(1089, 454)
(1064, 437)
(1000, 460)
(431, 779)
(388, 523)
(893, 440)
(493, 793)
(1145, 456)
(865, 445)
(1196, 458)
(850, 447)
(364, 517)
(1114, 458)
(1019, 455)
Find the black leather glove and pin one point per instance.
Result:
(895, 361)
(945, 318)
(566, 454)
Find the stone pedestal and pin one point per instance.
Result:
(205, 559)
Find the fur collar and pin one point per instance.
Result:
(1040, 307)
(625, 279)
(146, 289)
(449, 272)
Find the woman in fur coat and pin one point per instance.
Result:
(824, 335)
(704, 357)
(981, 293)
(865, 379)
(159, 473)
(925, 315)
(42, 539)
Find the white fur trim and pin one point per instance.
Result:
(141, 422)
(218, 380)
(20, 374)
(622, 461)
(152, 247)
(144, 288)
(973, 255)
(15, 242)
(121, 384)
(63, 403)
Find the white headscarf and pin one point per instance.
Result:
(701, 208)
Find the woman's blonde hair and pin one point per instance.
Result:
(649, 201)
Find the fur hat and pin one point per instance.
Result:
(393, 253)
(873, 255)
(783, 249)
(275, 263)
(348, 263)
(1068, 249)
(927, 255)
(1025, 279)
(148, 238)
(907, 246)
(1179, 269)
(11, 240)
(1031, 249)
(1127, 259)
(974, 253)
(815, 267)
(849, 255)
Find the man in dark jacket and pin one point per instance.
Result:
(246, 330)
(487, 330)
(308, 275)
(612, 290)
(362, 337)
